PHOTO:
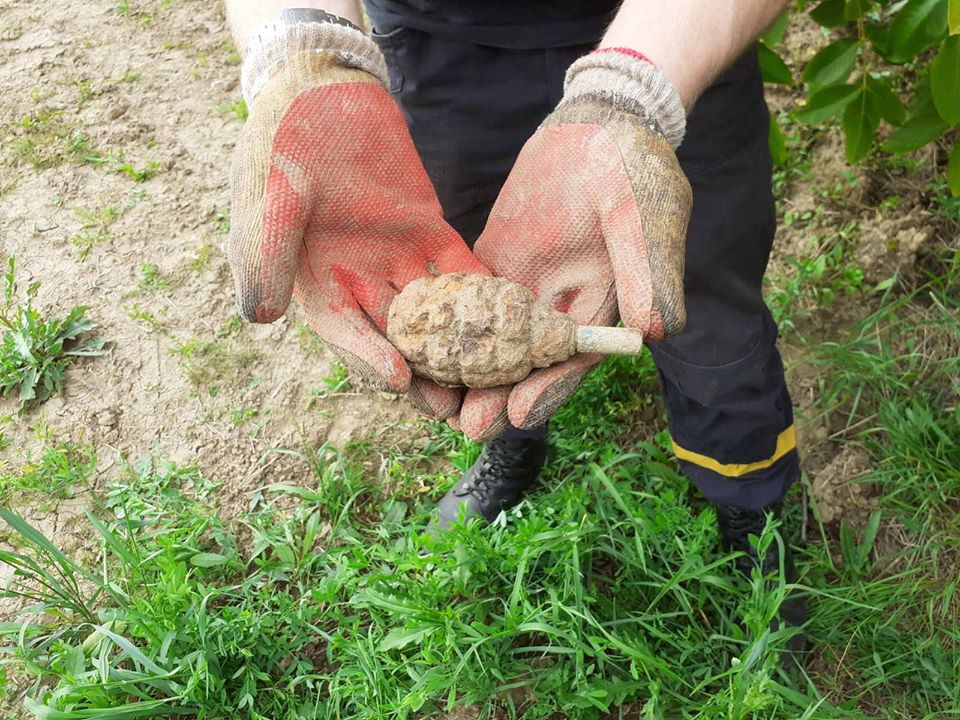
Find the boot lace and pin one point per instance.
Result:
(504, 468)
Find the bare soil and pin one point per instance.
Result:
(151, 86)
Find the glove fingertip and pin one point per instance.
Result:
(484, 413)
(438, 403)
(534, 401)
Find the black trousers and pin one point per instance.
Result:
(470, 108)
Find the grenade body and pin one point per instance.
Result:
(476, 330)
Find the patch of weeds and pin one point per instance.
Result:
(841, 189)
(201, 258)
(238, 108)
(130, 76)
(206, 363)
(797, 218)
(115, 161)
(310, 344)
(233, 55)
(890, 204)
(814, 282)
(611, 595)
(795, 163)
(95, 227)
(58, 470)
(239, 414)
(84, 92)
(222, 221)
(173, 507)
(152, 279)
(334, 383)
(38, 95)
(142, 174)
(944, 205)
(96, 224)
(338, 380)
(45, 140)
(893, 381)
(231, 327)
(123, 7)
(146, 317)
(35, 352)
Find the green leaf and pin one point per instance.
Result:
(953, 17)
(869, 535)
(922, 99)
(827, 103)
(208, 559)
(833, 64)
(28, 385)
(399, 638)
(774, 33)
(918, 25)
(887, 102)
(915, 133)
(885, 284)
(855, 9)
(879, 37)
(772, 67)
(829, 13)
(860, 121)
(22, 345)
(953, 170)
(945, 80)
(778, 143)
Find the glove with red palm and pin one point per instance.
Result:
(592, 219)
(331, 203)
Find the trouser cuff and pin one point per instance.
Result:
(749, 486)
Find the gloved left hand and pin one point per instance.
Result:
(592, 219)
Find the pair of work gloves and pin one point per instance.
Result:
(332, 206)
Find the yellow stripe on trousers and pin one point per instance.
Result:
(786, 441)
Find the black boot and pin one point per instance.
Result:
(736, 525)
(504, 471)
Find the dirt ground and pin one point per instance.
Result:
(149, 87)
(117, 126)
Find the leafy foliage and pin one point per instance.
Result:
(880, 51)
(34, 352)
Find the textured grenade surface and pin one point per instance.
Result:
(476, 330)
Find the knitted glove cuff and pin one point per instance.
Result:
(278, 41)
(630, 83)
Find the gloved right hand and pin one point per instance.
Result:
(331, 203)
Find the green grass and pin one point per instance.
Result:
(55, 472)
(603, 595)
